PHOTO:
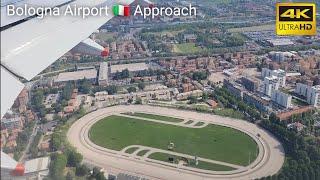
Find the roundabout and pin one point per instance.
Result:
(145, 157)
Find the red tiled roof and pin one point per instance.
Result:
(212, 103)
(286, 115)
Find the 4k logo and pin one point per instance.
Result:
(296, 19)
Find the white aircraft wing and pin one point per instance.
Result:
(10, 167)
(31, 46)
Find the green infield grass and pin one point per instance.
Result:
(212, 142)
(156, 117)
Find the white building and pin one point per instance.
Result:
(281, 98)
(311, 93)
(302, 89)
(280, 74)
(270, 84)
(103, 74)
(313, 97)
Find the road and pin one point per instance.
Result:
(33, 134)
(269, 161)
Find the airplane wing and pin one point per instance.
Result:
(28, 47)
(10, 167)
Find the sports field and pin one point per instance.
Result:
(156, 117)
(188, 48)
(212, 142)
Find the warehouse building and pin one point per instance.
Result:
(133, 68)
(103, 74)
(65, 77)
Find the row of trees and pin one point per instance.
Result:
(121, 75)
(225, 97)
(38, 106)
(303, 155)
(200, 75)
(111, 89)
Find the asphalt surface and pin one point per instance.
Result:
(268, 162)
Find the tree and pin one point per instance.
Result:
(82, 170)
(192, 99)
(141, 86)
(67, 92)
(42, 112)
(70, 176)
(138, 100)
(85, 87)
(56, 142)
(74, 159)
(57, 107)
(57, 165)
(131, 89)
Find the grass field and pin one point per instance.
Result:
(156, 117)
(188, 48)
(240, 36)
(168, 32)
(202, 165)
(212, 142)
(105, 36)
(228, 112)
(131, 150)
(143, 152)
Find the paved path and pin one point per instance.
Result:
(269, 161)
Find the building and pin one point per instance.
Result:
(23, 98)
(286, 115)
(313, 97)
(279, 73)
(270, 84)
(231, 86)
(184, 96)
(256, 101)
(281, 98)
(12, 123)
(302, 89)
(312, 93)
(190, 38)
(249, 84)
(85, 68)
(123, 98)
(187, 87)
(103, 74)
(296, 126)
(65, 77)
(212, 103)
(280, 42)
(133, 68)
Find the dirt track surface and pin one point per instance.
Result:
(269, 161)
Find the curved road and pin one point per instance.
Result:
(269, 161)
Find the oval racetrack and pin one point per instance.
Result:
(269, 161)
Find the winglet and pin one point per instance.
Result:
(105, 52)
(18, 171)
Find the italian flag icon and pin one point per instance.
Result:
(119, 10)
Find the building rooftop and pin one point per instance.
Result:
(317, 87)
(271, 78)
(103, 71)
(36, 165)
(130, 67)
(287, 114)
(77, 75)
(4, 120)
